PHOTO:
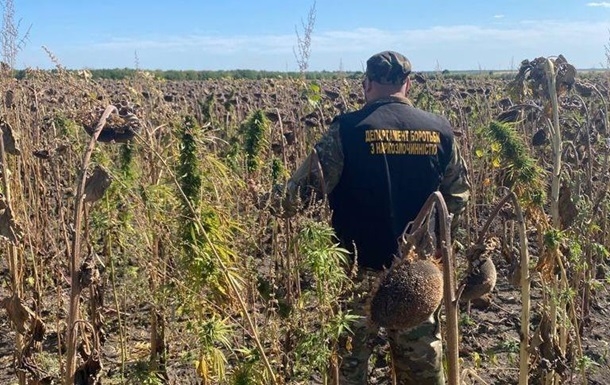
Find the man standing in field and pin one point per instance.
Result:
(378, 165)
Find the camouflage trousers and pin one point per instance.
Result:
(416, 353)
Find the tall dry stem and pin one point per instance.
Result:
(450, 295)
(525, 283)
(303, 50)
(12, 43)
(15, 265)
(75, 255)
(556, 143)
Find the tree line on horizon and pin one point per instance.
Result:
(201, 75)
(194, 75)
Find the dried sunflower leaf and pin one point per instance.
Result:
(10, 139)
(97, 184)
(9, 229)
(18, 313)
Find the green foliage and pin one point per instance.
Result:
(467, 321)
(244, 375)
(313, 350)
(324, 264)
(232, 154)
(312, 92)
(215, 339)
(278, 171)
(585, 363)
(204, 234)
(199, 261)
(522, 172)
(212, 331)
(177, 252)
(600, 249)
(575, 252)
(236, 74)
(316, 347)
(508, 345)
(553, 239)
(254, 132)
(188, 168)
(141, 374)
(426, 101)
(126, 155)
(323, 256)
(68, 128)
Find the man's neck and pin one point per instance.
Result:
(399, 97)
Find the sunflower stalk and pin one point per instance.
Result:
(556, 143)
(557, 308)
(13, 258)
(75, 255)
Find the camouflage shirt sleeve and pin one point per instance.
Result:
(317, 175)
(455, 185)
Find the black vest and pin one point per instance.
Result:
(394, 158)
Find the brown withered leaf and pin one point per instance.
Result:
(535, 341)
(9, 229)
(531, 78)
(18, 313)
(567, 209)
(272, 116)
(9, 98)
(88, 273)
(547, 263)
(97, 184)
(10, 139)
(47, 380)
(514, 273)
(479, 280)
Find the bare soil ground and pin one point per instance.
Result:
(489, 344)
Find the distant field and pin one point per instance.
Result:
(179, 274)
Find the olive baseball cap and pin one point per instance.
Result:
(388, 67)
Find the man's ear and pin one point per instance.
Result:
(407, 86)
(368, 85)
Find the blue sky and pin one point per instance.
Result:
(233, 34)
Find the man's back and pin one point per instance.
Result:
(394, 157)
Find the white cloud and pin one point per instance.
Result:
(453, 46)
(603, 4)
(213, 44)
(498, 16)
(524, 32)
